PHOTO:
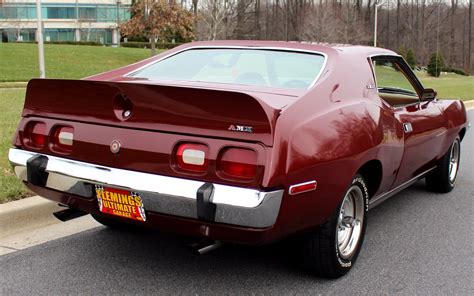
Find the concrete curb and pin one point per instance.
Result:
(15, 85)
(469, 104)
(26, 214)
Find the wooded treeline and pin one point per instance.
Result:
(422, 25)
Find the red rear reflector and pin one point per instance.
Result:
(192, 157)
(63, 138)
(238, 162)
(35, 134)
(303, 187)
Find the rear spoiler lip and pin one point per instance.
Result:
(163, 108)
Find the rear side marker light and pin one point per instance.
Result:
(35, 134)
(192, 157)
(303, 187)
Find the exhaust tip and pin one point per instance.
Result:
(68, 214)
(204, 247)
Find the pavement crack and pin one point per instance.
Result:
(9, 248)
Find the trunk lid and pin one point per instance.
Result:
(191, 110)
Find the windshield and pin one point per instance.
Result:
(272, 68)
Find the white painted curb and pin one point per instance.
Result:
(469, 104)
(26, 214)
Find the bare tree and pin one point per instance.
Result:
(408, 23)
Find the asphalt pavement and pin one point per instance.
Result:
(417, 242)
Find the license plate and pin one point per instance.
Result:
(127, 204)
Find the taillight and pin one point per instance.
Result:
(192, 157)
(35, 135)
(63, 138)
(238, 162)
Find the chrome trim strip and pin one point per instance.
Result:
(161, 194)
(323, 67)
(384, 196)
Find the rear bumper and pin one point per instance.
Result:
(232, 205)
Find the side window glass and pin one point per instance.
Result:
(393, 85)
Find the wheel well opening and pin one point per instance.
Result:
(372, 174)
(462, 133)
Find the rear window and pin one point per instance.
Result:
(271, 68)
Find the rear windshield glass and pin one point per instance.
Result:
(272, 68)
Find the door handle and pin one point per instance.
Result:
(407, 127)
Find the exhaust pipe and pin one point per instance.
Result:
(204, 247)
(69, 214)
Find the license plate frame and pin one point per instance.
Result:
(120, 203)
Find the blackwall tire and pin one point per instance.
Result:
(443, 179)
(332, 249)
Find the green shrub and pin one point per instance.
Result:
(455, 70)
(435, 65)
(411, 60)
(401, 51)
(159, 45)
(92, 43)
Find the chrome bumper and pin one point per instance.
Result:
(161, 194)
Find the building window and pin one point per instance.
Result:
(20, 12)
(13, 35)
(88, 13)
(103, 36)
(61, 12)
(59, 35)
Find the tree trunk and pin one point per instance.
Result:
(257, 19)
(422, 33)
(469, 56)
(153, 45)
(452, 56)
(388, 26)
(368, 14)
(397, 29)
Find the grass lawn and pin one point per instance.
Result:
(11, 104)
(448, 86)
(19, 62)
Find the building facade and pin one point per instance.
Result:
(64, 20)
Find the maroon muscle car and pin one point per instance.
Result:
(241, 141)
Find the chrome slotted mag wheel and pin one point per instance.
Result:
(350, 221)
(454, 161)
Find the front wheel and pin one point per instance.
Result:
(331, 250)
(443, 178)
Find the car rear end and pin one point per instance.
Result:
(107, 151)
(183, 144)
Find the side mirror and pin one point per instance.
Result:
(428, 94)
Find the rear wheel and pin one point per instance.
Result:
(331, 250)
(443, 179)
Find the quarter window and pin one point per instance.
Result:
(393, 84)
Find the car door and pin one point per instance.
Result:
(421, 122)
